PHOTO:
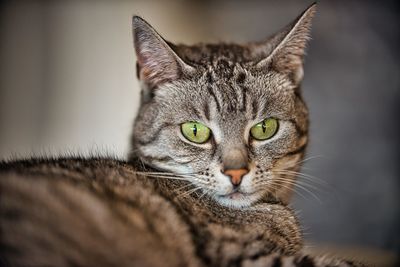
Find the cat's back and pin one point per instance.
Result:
(102, 212)
(97, 212)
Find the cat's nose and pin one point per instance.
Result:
(236, 175)
(235, 158)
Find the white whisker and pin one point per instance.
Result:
(310, 158)
(303, 175)
(293, 183)
(189, 192)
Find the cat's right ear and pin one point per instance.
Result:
(284, 52)
(157, 62)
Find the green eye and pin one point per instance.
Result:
(265, 129)
(195, 132)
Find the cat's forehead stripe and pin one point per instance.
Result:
(214, 97)
(228, 95)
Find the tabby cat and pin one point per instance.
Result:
(217, 143)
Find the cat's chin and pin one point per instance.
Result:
(238, 199)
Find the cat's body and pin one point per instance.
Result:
(216, 146)
(100, 212)
(106, 214)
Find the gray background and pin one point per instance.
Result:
(67, 85)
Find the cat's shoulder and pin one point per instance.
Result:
(90, 168)
(93, 211)
(46, 163)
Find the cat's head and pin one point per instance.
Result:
(229, 118)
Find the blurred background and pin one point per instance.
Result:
(68, 85)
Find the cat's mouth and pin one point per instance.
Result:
(238, 199)
(236, 194)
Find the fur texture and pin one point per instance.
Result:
(173, 204)
(103, 212)
(229, 88)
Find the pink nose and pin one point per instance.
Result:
(236, 175)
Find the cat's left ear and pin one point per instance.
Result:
(285, 50)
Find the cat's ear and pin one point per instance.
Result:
(285, 50)
(157, 63)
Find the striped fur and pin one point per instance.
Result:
(170, 205)
(102, 212)
(229, 88)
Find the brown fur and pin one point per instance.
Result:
(152, 211)
(228, 88)
(99, 212)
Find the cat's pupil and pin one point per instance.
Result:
(264, 127)
(195, 130)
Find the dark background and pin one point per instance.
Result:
(67, 85)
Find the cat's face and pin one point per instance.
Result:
(227, 118)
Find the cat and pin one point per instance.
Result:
(244, 99)
(220, 134)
